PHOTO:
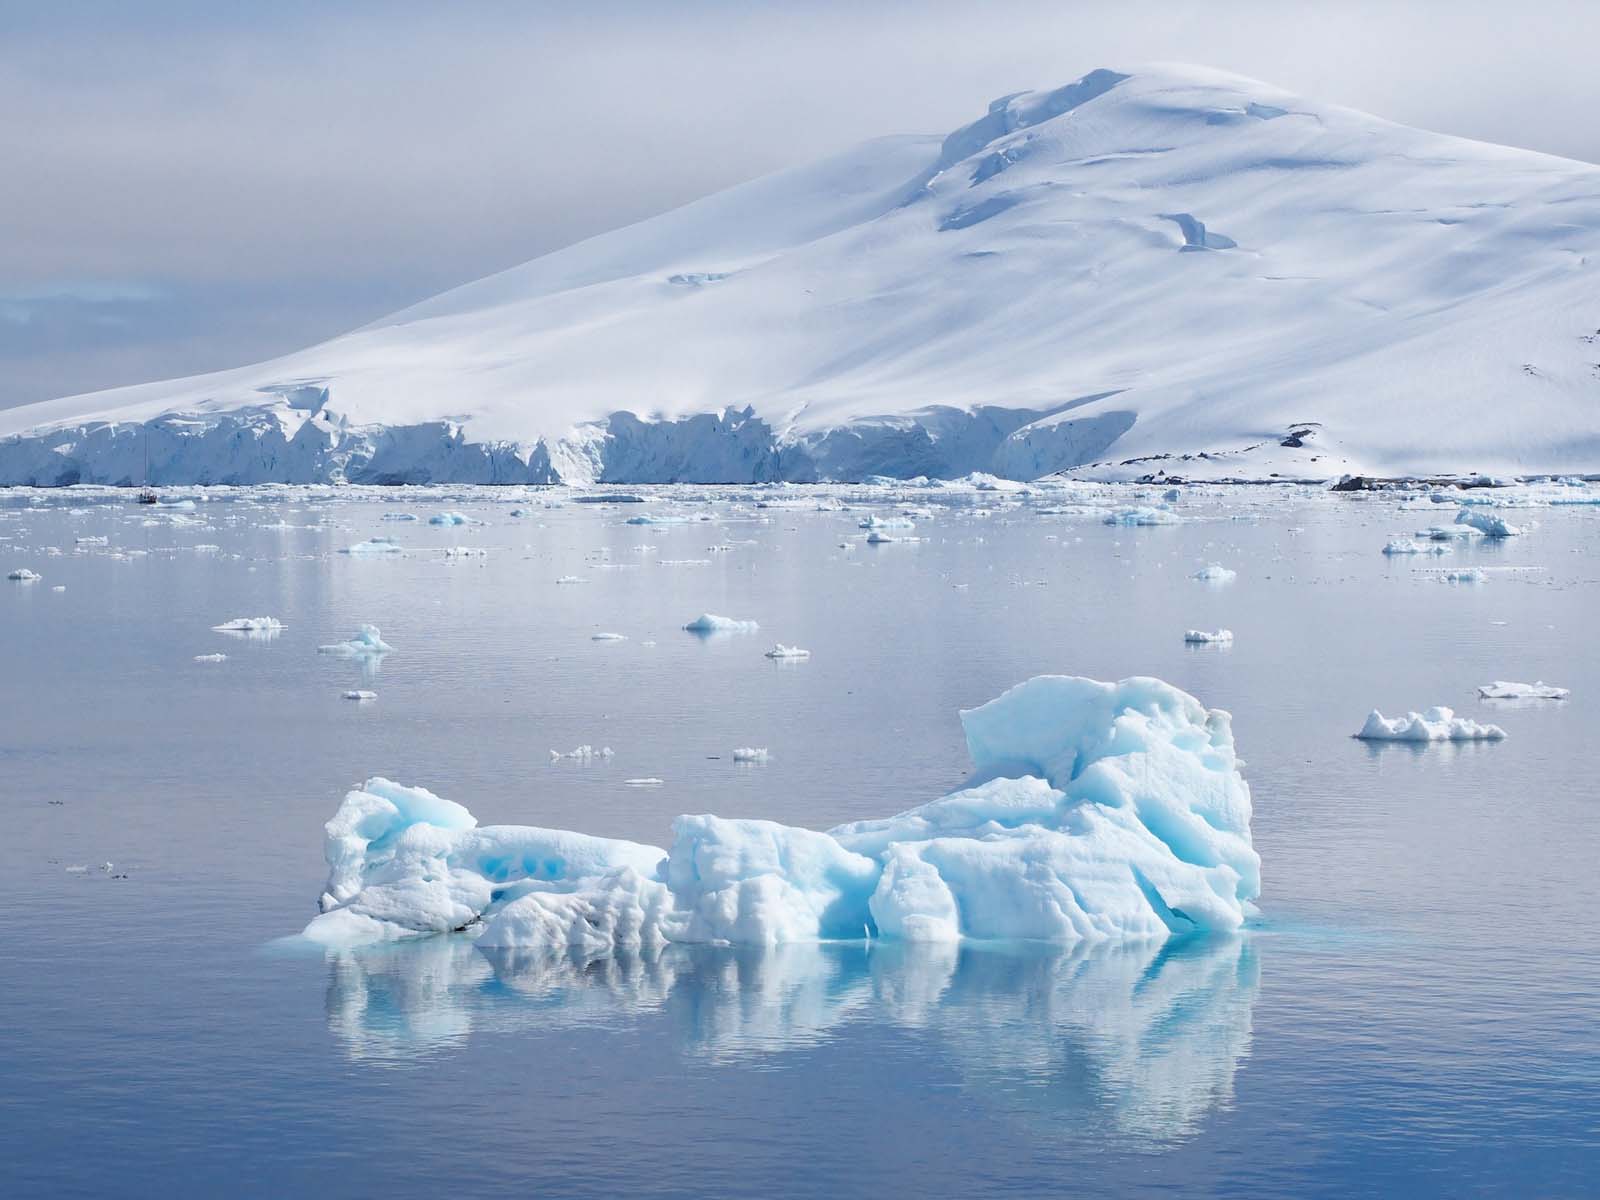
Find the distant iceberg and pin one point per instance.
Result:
(1487, 524)
(1142, 516)
(251, 626)
(1502, 690)
(711, 623)
(367, 642)
(779, 650)
(1215, 573)
(1436, 725)
(1201, 637)
(377, 545)
(1096, 811)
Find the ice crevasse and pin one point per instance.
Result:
(1095, 811)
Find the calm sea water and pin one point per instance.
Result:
(1413, 1014)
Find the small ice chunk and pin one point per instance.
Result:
(1502, 690)
(251, 625)
(399, 516)
(749, 754)
(1215, 573)
(211, 658)
(711, 623)
(608, 637)
(1407, 546)
(571, 579)
(584, 753)
(1142, 515)
(92, 541)
(465, 552)
(1487, 523)
(1438, 724)
(377, 545)
(1466, 575)
(644, 781)
(358, 694)
(779, 650)
(450, 518)
(1201, 637)
(877, 522)
(23, 575)
(366, 643)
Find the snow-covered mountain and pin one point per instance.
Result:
(1117, 277)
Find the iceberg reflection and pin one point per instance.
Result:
(1141, 1038)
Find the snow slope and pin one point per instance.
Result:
(1165, 263)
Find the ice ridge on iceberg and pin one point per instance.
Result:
(1096, 811)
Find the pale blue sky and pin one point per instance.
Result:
(190, 185)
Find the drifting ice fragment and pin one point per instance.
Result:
(583, 753)
(24, 575)
(465, 552)
(1501, 690)
(711, 623)
(1215, 573)
(360, 695)
(211, 658)
(1142, 516)
(1436, 725)
(608, 637)
(1466, 575)
(1406, 546)
(1095, 811)
(750, 754)
(788, 652)
(645, 781)
(1487, 524)
(450, 518)
(1201, 637)
(377, 545)
(366, 643)
(257, 626)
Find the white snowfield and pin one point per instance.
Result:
(1438, 724)
(1095, 811)
(1174, 270)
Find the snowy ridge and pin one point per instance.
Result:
(1096, 812)
(1169, 271)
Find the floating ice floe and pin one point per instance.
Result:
(92, 541)
(358, 694)
(1215, 573)
(1142, 516)
(1436, 725)
(583, 753)
(878, 537)
(251, 625)
(877, 522)
(572, 579)
(450, 518)
(750, 754)
(1407, 546)
(400, 516)
(211, 658)
(1502, 690)
(1095, 811)
(24, 575)
(711, 623)
(1465, 575)
(377, 545)
(1487, 524)
(366, 643)
(465, 552)
(608, 637)
(1201, 637)
(644, 781)
(779, 650)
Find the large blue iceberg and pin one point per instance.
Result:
(1096, 811)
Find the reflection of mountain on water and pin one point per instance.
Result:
(1145, 1038)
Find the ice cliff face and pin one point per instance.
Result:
(1169, 270)
(1096, 812)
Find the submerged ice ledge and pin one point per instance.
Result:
(1095, 811)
